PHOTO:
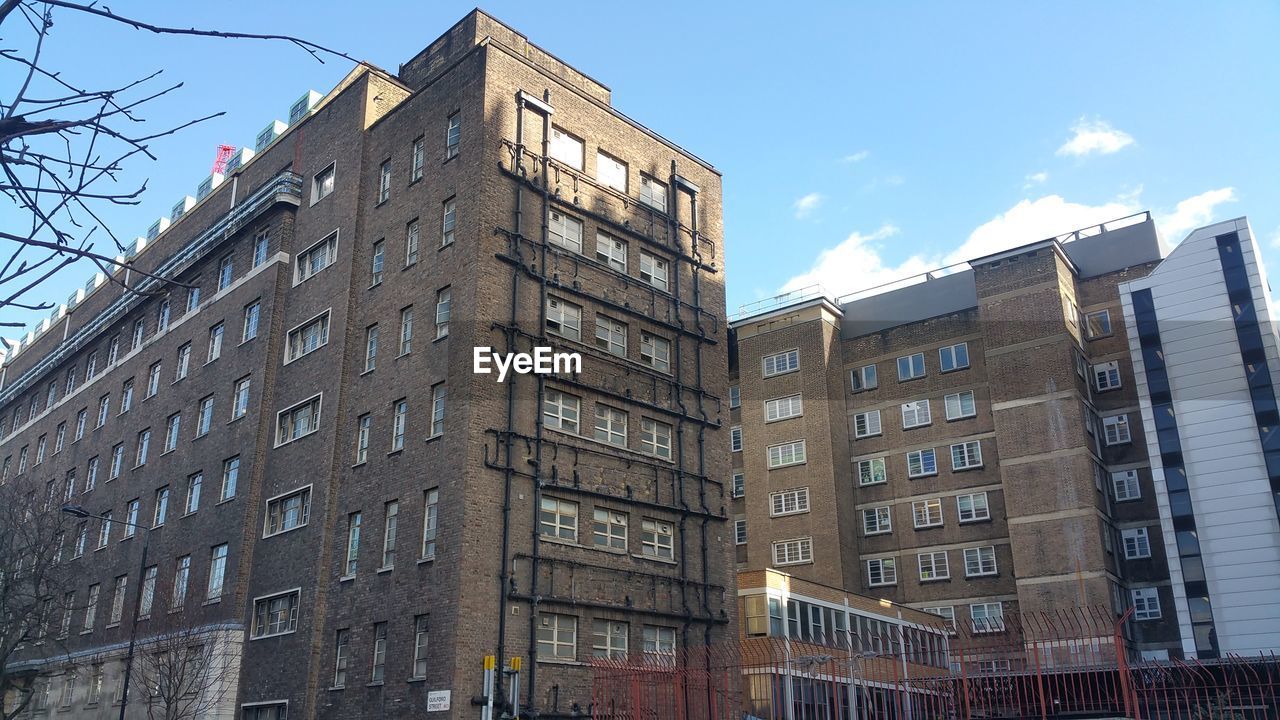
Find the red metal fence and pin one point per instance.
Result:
(1076, 664)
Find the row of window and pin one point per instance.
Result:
(343, 640)
(557, 638)
(390, 530)
(562, 411)
(837, 627)
(564, 319)
(911, 367)
(610, 529)
(917, 413)
(922, 463)
(978, 562)
(970, 507)
(178, 592)
(566, 231)
(568, 149)
(417, 157)
(984, 617)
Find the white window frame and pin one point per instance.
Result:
(864, 378)
(610, 171)
(927, 513)
(780, 363)
(653, 192)
(969, 464)
(303, 263)
(1122, 482)
(564, 318)
(918, 461)
(562, 411)
(278, 501)
(565, 231)
(777, 454)
(796, 551)
(982, 619)
(611, 251)
(318, 189)
(955, 405)
(318, 401)
(564, 519)
(611, 335)
(978, 510)
(563, 643)
(1137, 543)
(916, 413)
(735, 438)
(783, 408)
(655, 271)
(794, 501)
(1115, 430)
(939, 566)
(877, 520)
(872, 471)
(951, 352)
(614, 425)
(882, 572)
(980, 561)
(566, 148)
(1104, 328)
(444, 302)
(291, 621)
(655, 351)
(1106, 376)
(867, 424)
(739, 484)
(654, 441)
(1146, 603)
(298, 330)
(913, 368)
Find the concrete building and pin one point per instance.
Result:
(969, 442)
(321, 475)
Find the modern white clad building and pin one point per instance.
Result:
(1207, 364)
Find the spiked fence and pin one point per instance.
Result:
(1073, 664)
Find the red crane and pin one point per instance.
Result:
(224, 154)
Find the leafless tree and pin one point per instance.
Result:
(33, 580)
(64, 147)
(185, 671)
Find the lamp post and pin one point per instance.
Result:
(80, 512)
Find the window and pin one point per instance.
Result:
(558, 519)
(783, 408)
(910, 367)
(442, 312)
(1136, 543)
(566, 148)
(231, 474)
(927, 513)
(430, 522)
(240, 399)
(153, 380)
(288, 512)
(448, 221)
(655, 352)
(139, 332)
(184, 362)
(609, 638)
(980, 561)
(215, 342)
(1098, 324)
(162, 506)
(384, 182)
(193, 297)
(611, 425)
(609, 529)
(341, 657)
(400, 413)
(298, 421)
(655, 438)
(363, 424)
(653, 193)
(104, 407)
(126, 396)
(370, 348)
(654, 270)
(226, 271)
(882, 571)
(391, 516)
(921, 463)
(41, 443)
(657, 539)
(316, 258)
(611, 335)
(453, 136)
(144, 442)
(251, 313)
(792, 453)
(417, 160)
(1116, 429)
(411, 241)
(193, 492)
(91, 607)
(565, 231)
(916, 414)
(780, 363)
(735, 396)
(871, 472)
(789, 502)
(564, 319)
(322, 185)
(966, 455)
(104, 530)
(557, 636)
(953, 357)
(181, 579)
(611, 251)
(266, 711)
(204, 420)
(1146, 603)
(261, 242)
(947, 613)
(735, 438)
(275, 615)
(864, 378)
(610, 171)
(560, 411)
(354, 521)
(308, 337)
(117, 600)
(1125, 484)
(739, 531)
(960, 405)
(376, 262)
(973, 507)
(793, 552)
(162, 316)
(1106, 376)
(438, 395)
(60, 438)
(933, 566)
(659, 640)
(877, 520)
(148, 592)
(406, 330)
(91, 475)
(866, 424)
(132, 510)
(419, 647)
(171, 432)
(217, 571)
(739, 485)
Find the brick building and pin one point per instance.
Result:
(967, 443)
(326, 482)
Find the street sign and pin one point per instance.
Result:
(438, 700)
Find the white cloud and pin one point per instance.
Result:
(1035, 179)
(1275, 241)
(1094, 136)
(856, 263)
(1192, 213)
(857, 157)
(1034, 220)
(805, 206)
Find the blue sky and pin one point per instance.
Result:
(859, 142)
